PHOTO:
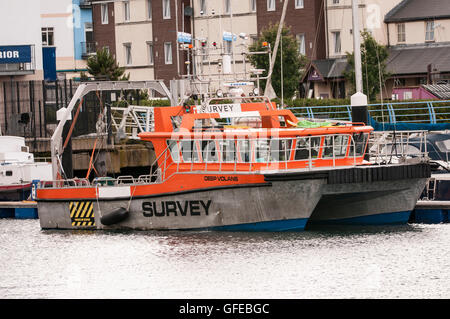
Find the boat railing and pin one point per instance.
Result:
(270, 154)
(398, 146)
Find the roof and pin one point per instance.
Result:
(414, 10)
(441, 91)
(415, 59)
(329, 68)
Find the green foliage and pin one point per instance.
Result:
(103, 67)
(293, 61)
(373, 61)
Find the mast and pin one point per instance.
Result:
(269, 91)
(357, 46)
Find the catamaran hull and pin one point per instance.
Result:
(377, 203)
(277, 206)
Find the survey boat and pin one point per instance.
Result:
(252, 167)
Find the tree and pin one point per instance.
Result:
(293, 61)
(373, 64)
(103, 66)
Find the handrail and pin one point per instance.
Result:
(432, 112)
(268, 154)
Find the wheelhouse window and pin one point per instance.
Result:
(335, 146)
(358, 142)
(228, 151)
(307, 147)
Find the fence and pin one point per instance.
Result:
(430, 112)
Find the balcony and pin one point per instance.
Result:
(88, 49)
(85, 4)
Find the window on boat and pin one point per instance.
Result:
(337, 142)
(304, 145)
(280, 150)
(174, 150)
(9, 173)
(359, 142)
(244, 151)
(209, 151)
(228, 151)
(189, 151)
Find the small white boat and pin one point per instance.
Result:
(18, 169)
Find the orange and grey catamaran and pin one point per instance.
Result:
(241, 166)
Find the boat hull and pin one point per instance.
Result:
(15, 192)
(277, 206)
(377, 203)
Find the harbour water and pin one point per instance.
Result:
(410, 261)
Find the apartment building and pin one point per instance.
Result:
(305, 18)
(66, 26)
(21, 50)
(419, 39)
(324, 78)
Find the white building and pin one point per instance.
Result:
(21, 26)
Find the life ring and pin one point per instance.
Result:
(115, 216)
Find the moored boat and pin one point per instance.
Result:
(18, 169)
(271, 175)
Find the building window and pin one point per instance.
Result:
(104, 13)
(106, 48)
(335, 1)
(126, 10)
(168, 53)
(48, 38)
(149, 9)
(166, 9)
(337, 41)
(227, 6)
(299, 4)
(228, 47)
(429, 33)
(401, 35)
(202, 6)
(150, 52)
(128, 58)
(270, 5)
(301, 43)
(253, 5)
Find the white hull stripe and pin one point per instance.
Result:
(112, 192)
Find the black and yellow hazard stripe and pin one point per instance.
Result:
(82, 213)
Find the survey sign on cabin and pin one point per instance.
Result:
(219, 108)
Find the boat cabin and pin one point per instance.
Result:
(256, 137)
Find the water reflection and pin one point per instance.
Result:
(327, 262)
